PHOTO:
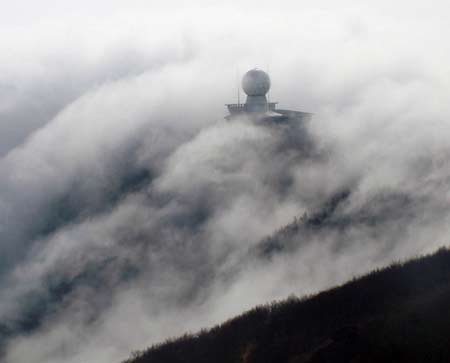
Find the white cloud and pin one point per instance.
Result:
(92, 94)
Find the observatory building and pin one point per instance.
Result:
(256, 85)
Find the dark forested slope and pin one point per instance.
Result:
(398, 314)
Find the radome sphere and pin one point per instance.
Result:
(256, 83)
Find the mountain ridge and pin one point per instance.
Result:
(391, 314)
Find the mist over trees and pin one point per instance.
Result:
(394, 314)
(127, 201)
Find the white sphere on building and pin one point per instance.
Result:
(256, 83)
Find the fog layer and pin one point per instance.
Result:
(131, 211)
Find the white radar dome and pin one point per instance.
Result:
(256, 83)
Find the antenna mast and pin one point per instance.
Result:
(268, 93)
(238, 88)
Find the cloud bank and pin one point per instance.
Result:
(131, 212)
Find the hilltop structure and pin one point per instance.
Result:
(256, 85)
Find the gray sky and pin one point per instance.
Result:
(95, 95)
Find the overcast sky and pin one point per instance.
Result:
(120, 178)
